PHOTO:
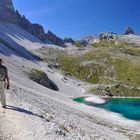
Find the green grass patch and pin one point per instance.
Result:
(128, 73)
(36, 73)
(78, 44)
(100, 66)
(89, 73)
(104, 44)
(105, 68)
(125, 91)
(128, 48)
(135, 51)
(115, 90)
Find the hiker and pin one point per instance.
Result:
(4, 82)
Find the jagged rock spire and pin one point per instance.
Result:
(55, 39)
(128, 31)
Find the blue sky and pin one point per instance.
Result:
(79, 18)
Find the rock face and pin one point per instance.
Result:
(107, 36)
(7, 11)
(23, 22)
(10, 15)
(91, 38)
(69, 40)
(39, 32)
(84, 43)
(6, 4)
(128, 31)
(54, 39)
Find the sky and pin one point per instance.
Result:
(80, 18)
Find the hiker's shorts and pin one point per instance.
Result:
(2, 94)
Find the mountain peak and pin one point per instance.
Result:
(6, 5)
(7, 12)
(128, 31)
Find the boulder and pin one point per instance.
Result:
(41, 78)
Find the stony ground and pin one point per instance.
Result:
(35, 112)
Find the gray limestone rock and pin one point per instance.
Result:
(39, 32)
(55, 39)
(7, 12)
(128, 31)
(69, 40)
(107, 36)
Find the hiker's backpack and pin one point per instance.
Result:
(3, 73)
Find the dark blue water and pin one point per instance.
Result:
(127, 107)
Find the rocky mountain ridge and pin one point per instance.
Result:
(10, 15)
(107, 35)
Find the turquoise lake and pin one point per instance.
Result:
(127, 107)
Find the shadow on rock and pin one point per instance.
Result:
(22, 111)
(49, 84)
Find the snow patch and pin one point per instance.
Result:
(96, 100)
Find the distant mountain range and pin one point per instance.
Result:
(9, 14)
